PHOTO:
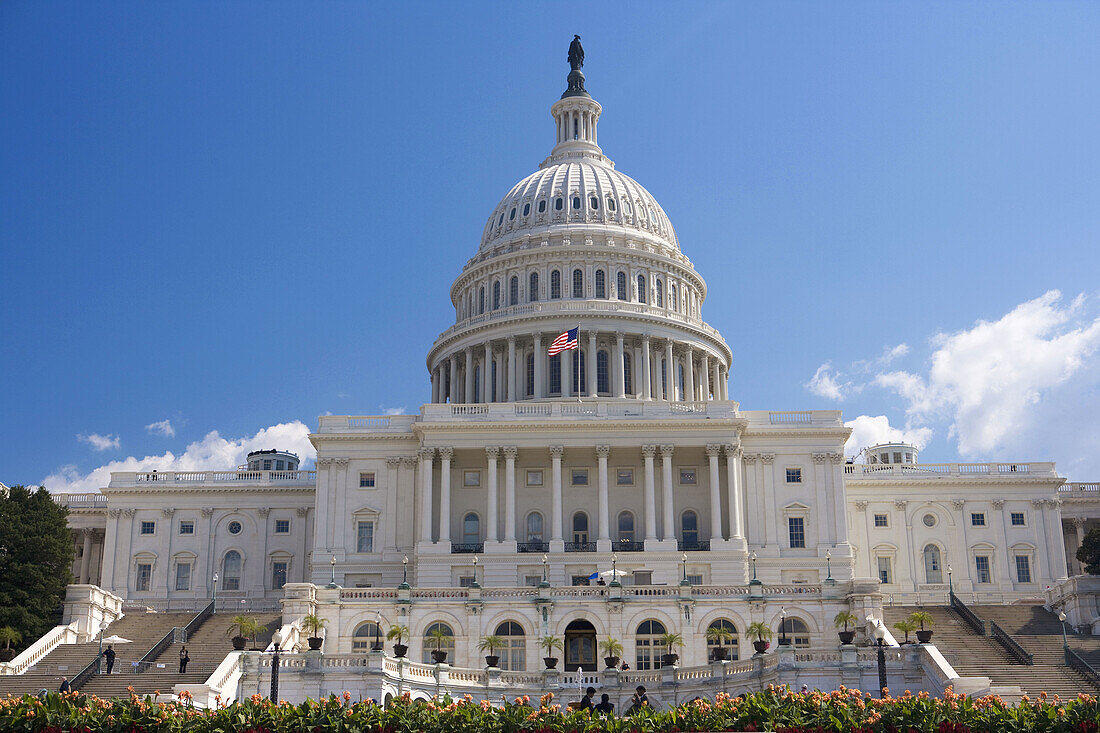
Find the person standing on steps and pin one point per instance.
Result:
(109, 655)
(184, 659)
(65, 686)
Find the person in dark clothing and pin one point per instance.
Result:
(605, 707)
(586, 701)
(109, 655)
(184, 659)
(639, 701)
(65, 686)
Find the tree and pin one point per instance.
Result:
(36, 554)
(1089, 552)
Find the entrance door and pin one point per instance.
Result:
(580, 646)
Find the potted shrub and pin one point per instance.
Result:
(549, 644)
(720, 635)
(490, 644)
(397, 634)
(439, 637)
(669, 640)
(921, 618)
(843, 619)
(612, 650)
(8, 636)
(246, 627)
(761, 634)
(313, 624)
(905, 627)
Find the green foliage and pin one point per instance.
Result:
(760, 631)
(611, 647)
(397, 633)
(36, 552)
(720, 634)
(313, 623)
(906, 627)
(670, 640)
(490, 643)
(9, 636)
(439, 636)
(247, 626)
(1089, 552)
(550, 644)
(921, 618)
(844, 618)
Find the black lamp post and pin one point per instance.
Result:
(1065, 641)
(545, 572)
(475, 584)
(214, 598)
(880, 635)
(783, 640)
(404, 573)
(277, 640)
(614, 571)
(754, 581)
(377, 632)
(950, 582)
(332, 580)
(684, 560)
(829, 567)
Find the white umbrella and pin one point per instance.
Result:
(616, 573)
(116, 639)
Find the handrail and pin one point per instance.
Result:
(166, 640)
(1076, 662)
(83, 675)
(1012, 646)
(971, 618)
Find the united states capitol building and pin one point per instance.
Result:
(615, 490)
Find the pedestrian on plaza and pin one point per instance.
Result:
(586, 701)
(110, 655)
(638, 701)
(184, 659)
(65, 686)
(605, 707)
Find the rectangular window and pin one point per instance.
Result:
(267, 465)
(981, 564)
(643, 577)
(908, 457)
(183, 576)
(794, 475)
(897, 457)
(1018, 519)
(797, 529)
(187, 527)
(882, 520)
(688, 477)
(471, 478)
(695, 579)
(282, 526)
(364, 537)
(578, 580)
(534, 478)
(148, 527)
(884, 570)
(144, 573)
(624, 477)
(532, 580)
(977, 519)
(579, 476)
(1023, 569)
(466, 581)
(279, 465)
(366, 480)
(278, 575)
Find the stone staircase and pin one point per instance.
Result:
(980, 656)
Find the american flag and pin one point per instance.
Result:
(566, 341)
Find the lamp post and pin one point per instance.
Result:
(950, 582)
(880, 635)
(754, 580)
(1065, 641)
(614, 572)
(404, 573)
(684, 561)
(475, 584)
(545, 572)
(829, 567)
(277, 640)
(332, 565)
(783, 640)
(377, 631)
(214, 597)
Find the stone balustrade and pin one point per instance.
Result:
(155, 479)
(856, 471)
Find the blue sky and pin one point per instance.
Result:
(235, 216)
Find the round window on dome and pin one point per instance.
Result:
(929, 520)
(234, 527)
(542, 206)
(512, 214)
(526, 209)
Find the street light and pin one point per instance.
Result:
(332, 580)
(377, 632)
(545, 572)
(950, 583)
(277, 640)
(214, 598)
(475, 584)
(404, 573)
(783, 640)
(829, 567)
(614, 572)
(880, 635)
(1065, 641)
(754, 581)
(684, 560)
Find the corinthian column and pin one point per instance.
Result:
(556, 540)
(492, 504)
(603, 539)
(646, 375)
(648, 451)
(689, 377)
(426, 455)
(445, 493)
(666, 494)
(713, 451)
(733, 486)
(510, 493)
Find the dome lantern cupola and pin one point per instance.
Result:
(576, 114)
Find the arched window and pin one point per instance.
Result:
(445, 644)
(659, 294)
(496, 295)
(501, 219)
(542, 206)
(647, 645)
(628, 374)
(231, 571)
(557, 204)
(471, 529)
(512, 214)
(512, 656)
(526, 209)
(730, 645)
(363, 638)
(625, 524)
(576, 202)
(797, 631)
(578, 283)
(664, 379)
(530, 375)
(601, 284)
(641, 289)
(481, 300)
(689, 529)
(603, 383)
(493, 382)
(534, 527)
(533, 287)
(610, 204)
(555, 374)
(672, 302)
(594, 203)
(680, 380)
(477, 383)
(933, 572)
(555, 284)
(513, 290)
(580, 528)
(620, 286)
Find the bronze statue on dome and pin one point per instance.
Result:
(576, 53)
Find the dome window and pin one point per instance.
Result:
(481, 300)
(542, 206)
(659, 295)
(620, 286)
(627, 207)
(533, 287)
(578, 284)
(526, 209)
(641, 289)
(555, 284)
(512, 214)
(576, 202)
(496, 295)
(601, 284)
(558, 203)
(610, 204)
(594, 203)
(501, 219)
(513, 291)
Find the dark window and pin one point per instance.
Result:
(278, 575)
(542, 206)
(512, 214)
(626, 527)
(496, 295)
(794, 475)
(557, 203)
(282, 526)
(513, 290)
(148, 527)
(601, 284)
(603, 383)
(501, 219)
(620, 286)
(576, 202)
(977, 519)
(530, 375)
(1018, 519)
(628, 377)
(594, 203)
(526, 209)
(578, 284)
(641, 289)
(797, 529)
(555, 374)
(659, 294)
(533, 287)
(610, 204)
(689, 527)
(481, 300)
(555, 284)
(580, 527)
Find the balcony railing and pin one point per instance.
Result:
(220, 478)
(460, 548)
(628, 546)
(934, 470)
(81, 501)
(533, 546)
(580, 546)
(696, 546)
(1077, 489)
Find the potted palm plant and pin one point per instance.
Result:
(906, 627)
(8, 636)
(670, 640)
(313, 624)
(397, 634)
(612, 650)
(490, 644)
(920, 618)
(719, 634)
(843, 619)
(549, 644)
(245, 628)
(439, 637)
(761, 634)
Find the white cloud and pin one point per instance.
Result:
(100, 442)
(162, 427)
(213, 452)
(993, 381)
(868, 431)
(891, 353)
(393, 410)
(824, 383)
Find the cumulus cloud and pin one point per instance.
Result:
(100, 442)
(824, 383)
(393, 410)
(162, 427)
(868, 431)
(213, 452)
(990, 381)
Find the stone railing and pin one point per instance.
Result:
(365, 423)
(81, 501)
(934, 470)
(585, 408)
(1077, 490)
(793, 420)
(47, 643)
(154, 479)
(527, 593)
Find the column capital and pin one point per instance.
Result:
(169, 511)
(410, 461)
(861, 506)
(426, 454)
(557, 451)
(510, 452)
(492, 452)
(649, 451)
(114, 512)
(603, 451)
(713, 450)
(900, 504)
(207, 511)
(341, 462)
(262, 511)
(1078, 522)
(302, 511)
(323, 463)
(820, 458)
(620, 335)
(511, 340)
(393, 461)
(767, 458)
(749, 457)
(446, 453)
(733, 451)
(836, 458)
(645, 339)
(87, 532)
(1038, 503)
(958, 504)
(666, 451)
(998, 504)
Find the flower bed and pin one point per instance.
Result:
(775, 709)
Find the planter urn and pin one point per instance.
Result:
(439, 656)
(846, 636)
(492, 660)
(611, 662)
(760, 646)
(400, 650)
(550, 662)
(314, 642)
(924, 636)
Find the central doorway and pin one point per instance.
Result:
(580, 646)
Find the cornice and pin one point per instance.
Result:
(950, 481)
(191, 490)
(716, 424)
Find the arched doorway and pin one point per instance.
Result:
(580, 646)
